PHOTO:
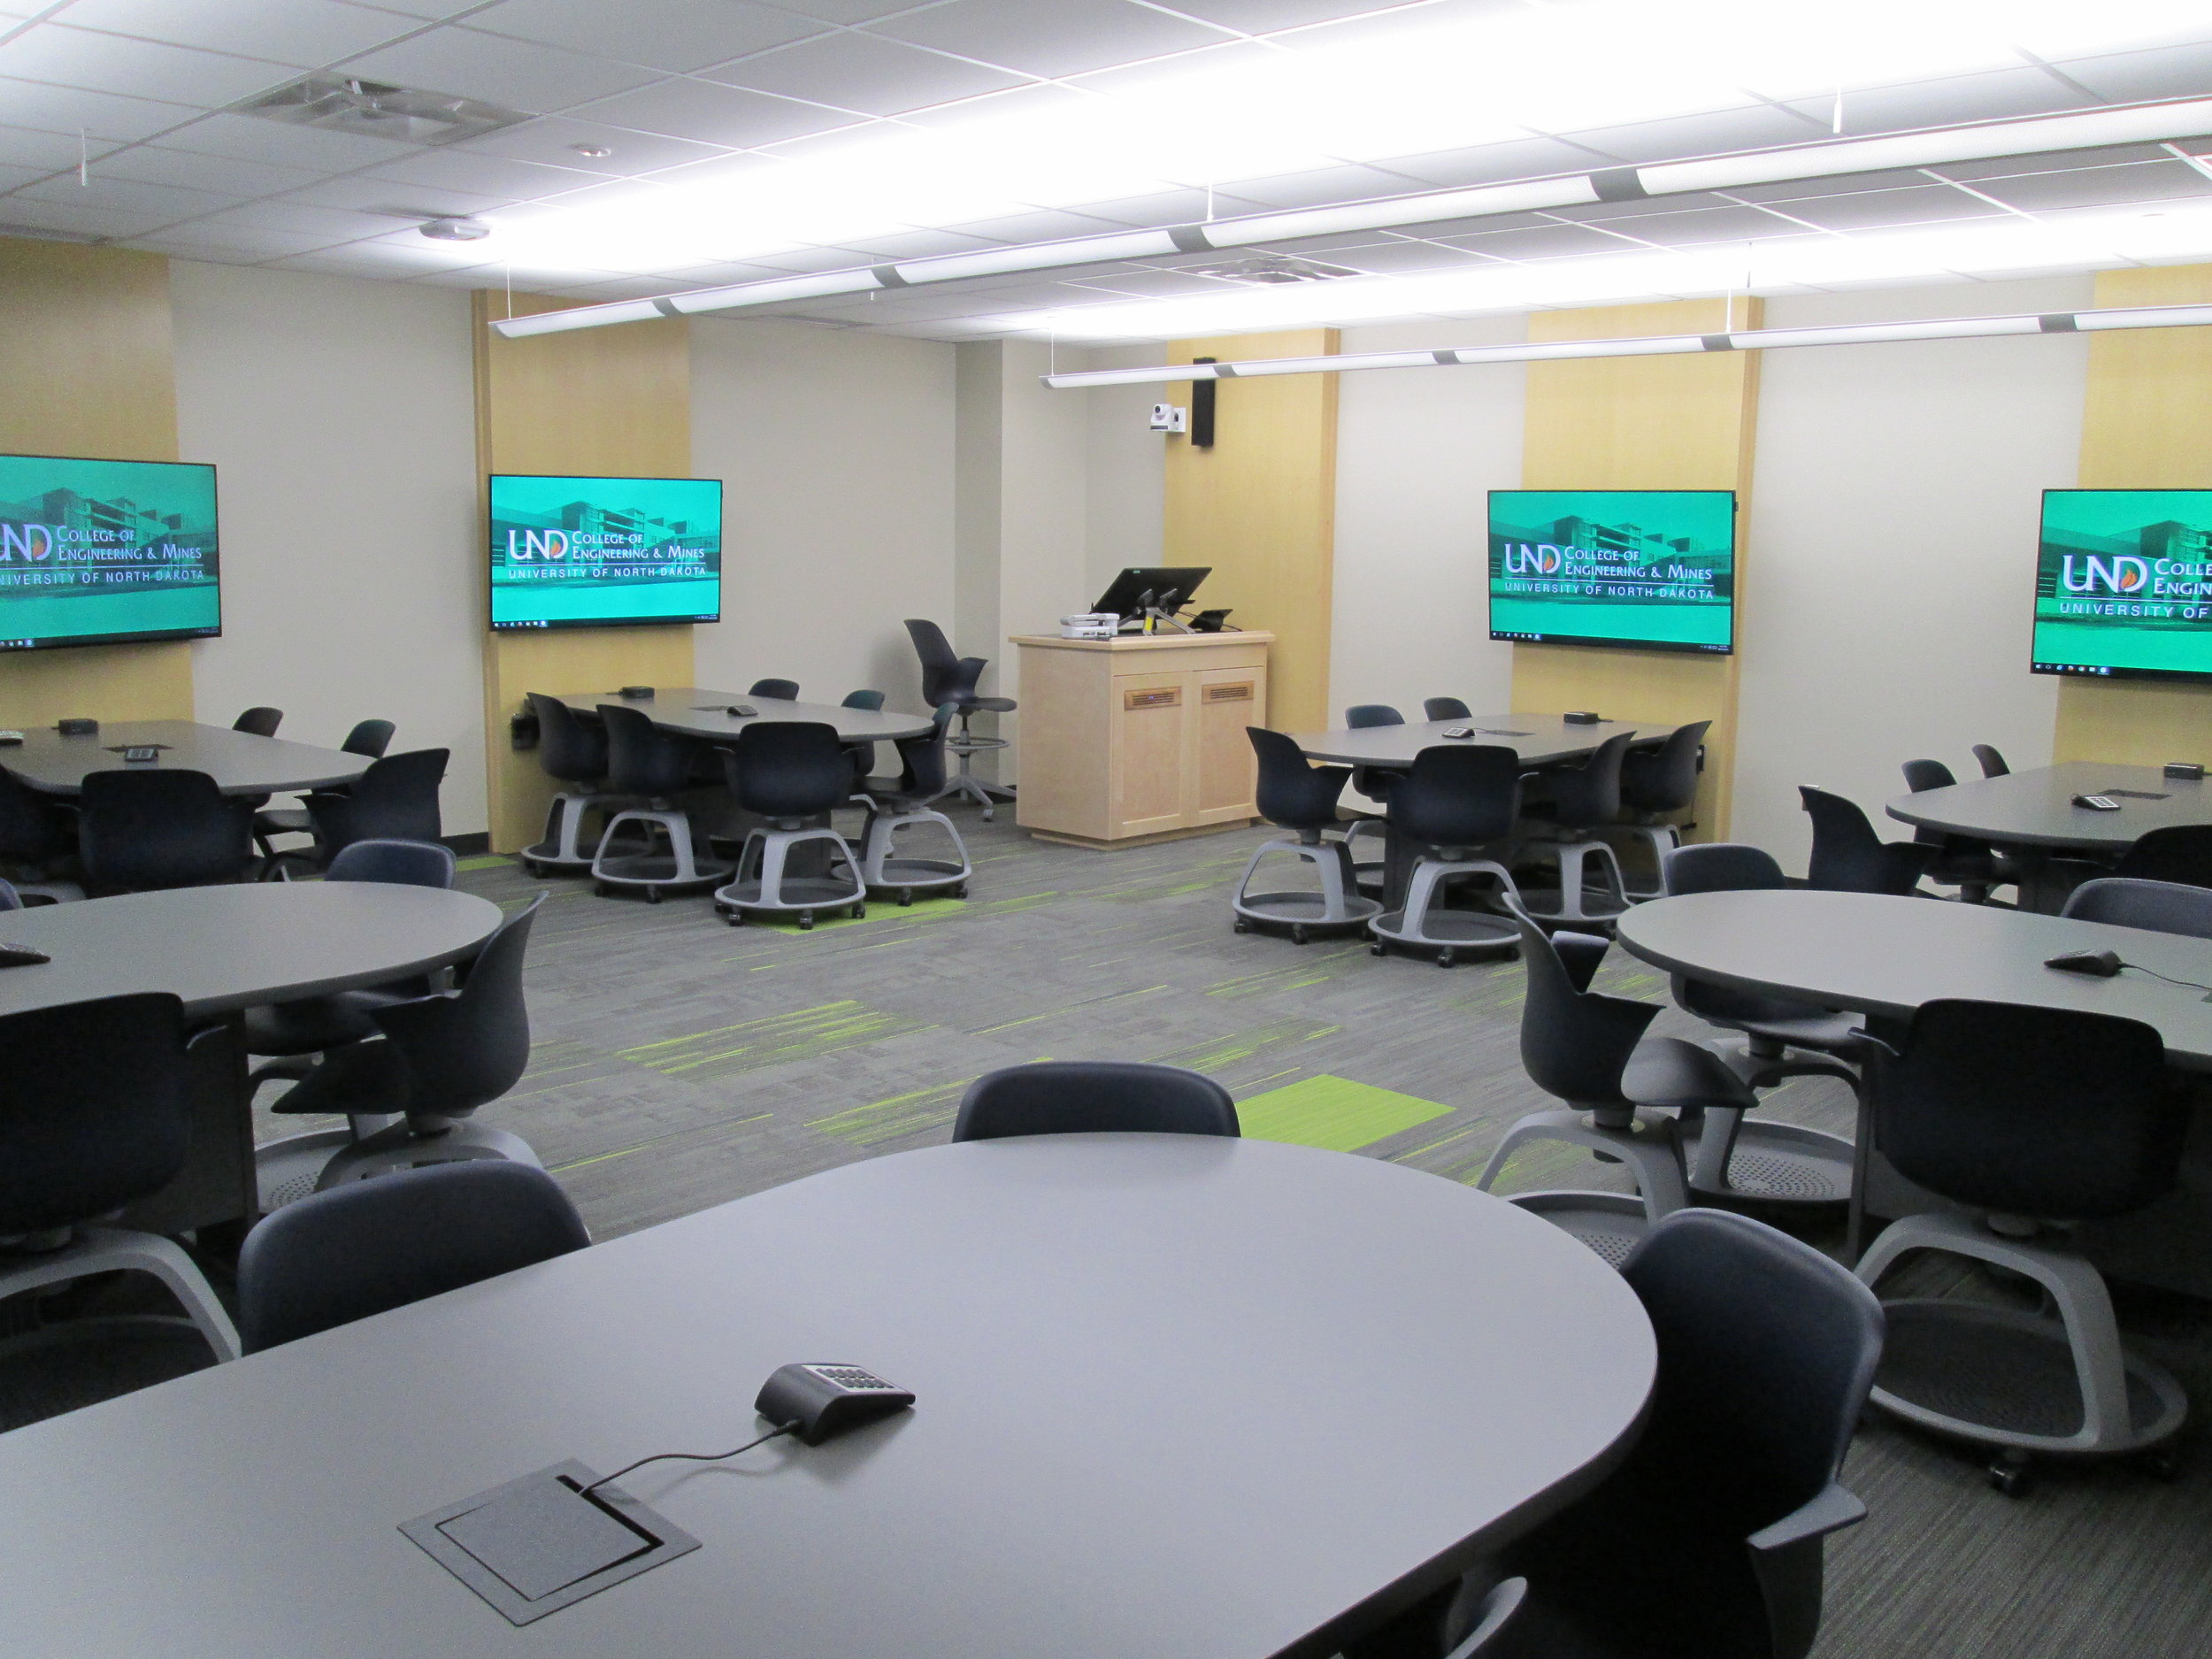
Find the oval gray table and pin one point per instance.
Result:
(2036, 809)
(240, 762)
(1539, 739)
(696, 711)
(223, 950)
(1883, 957)
(1177, 1396)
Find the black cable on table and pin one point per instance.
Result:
(692, 1457)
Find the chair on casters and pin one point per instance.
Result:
(1375, 783)
(373, 1246)
(95, 1115)
(1848, 857)
(1435, 709)
(1301, 798)
(1623, 1090)
(1993, 764)
(1456, 804)
(1708, 1539)
(2180, 853)
(261, 722)
(863, 755)
(395, 800)
(788, 772)
(781, 690)
(2028, 1117)
(142, 831)
(1655, 783)
(438, 1057)
(2159, 906)
(647, 764)
(904, 804)
(1585, 800)
(950, 678)
(371, 738)
(1959, 861)
(37, 837)
(1092, 1097)
(571, 751)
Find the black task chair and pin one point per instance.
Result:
(262, 722)
(2180, 853)
(438, 1059)
(1707, 1542)
(1375, 783)
(38, 840)
(1959, 861)
(863, 755)
(1091, 1097)
(1585, 800)
(781, 690)
(903, 802)
(371, 738)
(366, 1249)
(649, 765)
(947, 677)
(1621, 1089)
(1657, 782)
(1434, 709)
(95, 1115)
(2160, 907)
(1849, 857)
(1991, 763)
(1295, 794)
(1458, 804)
(159, 827)
(2026, 1117)
(395, 800)
(572, 750)
(10, 899)
(790, 772)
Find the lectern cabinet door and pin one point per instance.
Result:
(1151, 719)
(1229, 700)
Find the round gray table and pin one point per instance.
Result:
(1539, 739)
(1177, 1396)
(2035, 808)
(696, 711)
(241, 762)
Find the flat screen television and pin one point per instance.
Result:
(599, 552)
(103, 552)
(2123, 584)
(1652, 570)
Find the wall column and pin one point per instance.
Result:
(611, 402)
(2146, 423)
(1645, 423)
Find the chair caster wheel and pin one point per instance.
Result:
(806, 921)
(1379, 948)
(599, 889)
(1298, 935)
(2165, 1463)
(735, 919)
(1239, 925)
(1446, 959)
(906, 897)
(960, 892)
(859, 912)
(652, 896)
(2009, 1476)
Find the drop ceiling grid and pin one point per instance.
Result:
(171, 171)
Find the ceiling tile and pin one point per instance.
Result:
(1263, 16)
(914, 244)
(2050, 161)
(330, 224)
(70, 216)
(2175, 71)
(1988, 97)
(2099, 186)
(674, 35)
(254, 241)
(540, 79)
(1548, 242)
(1874, 210)
(11, 178)
(362, 193)
(1031, 98)
(1850, 184)
(304, 33)
(1323, 185)
(710, 114)
(1402, 258)
(1169, 207)
(1063, 38)
(421, 9)
(860, 71)
(64, 56)
(102, 114)
(845, 11)
(1149, 284)
(1496, 163)
(1706, 225)
(48, 153)
(1716, 132)
(165, 202)
(1041, 226)
(486, 175)
(551, 140)
(149, 164)
(1389, 23)
(281, 143)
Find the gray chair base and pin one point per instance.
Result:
(1370, 878)
(1611, 1224)
(49, 892)
(95, 1249)
(1450, 933)
(2024, 1379)
(1662, 839)
(562, 852)
(1337, 905)
(1765, 1162)
(679, 870)
(884, 870)
(1650, 1147)
(963, 783)
(1572, 901)
(289, 1168)
(764, 886)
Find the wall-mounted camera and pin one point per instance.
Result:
(1170, 417)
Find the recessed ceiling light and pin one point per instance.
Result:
(595, 151)
(456, 230)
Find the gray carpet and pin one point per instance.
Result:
(680, 1063)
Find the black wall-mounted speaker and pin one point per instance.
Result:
(1201, 410)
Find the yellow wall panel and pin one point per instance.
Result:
(611, 401)
(1644, 423)
(85, 360)
(1260, 508)
(2146, 423)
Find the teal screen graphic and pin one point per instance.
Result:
(2123, 583)
(592, 552)
(95, 552)
(1651, 569)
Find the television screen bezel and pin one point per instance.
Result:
(1671, 648)
(492, 626)
(148, 636)
(2077, 671)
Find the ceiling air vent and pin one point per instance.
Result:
(342, 104)
(1267, 269)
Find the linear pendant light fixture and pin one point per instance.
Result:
(2134, 124)
(1657, 345)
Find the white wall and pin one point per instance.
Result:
(1125, 468)
(1892, 541)
(340, 418)
(836, 453)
